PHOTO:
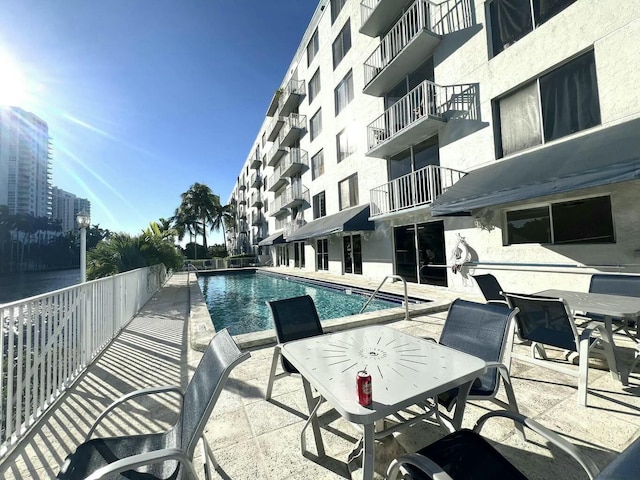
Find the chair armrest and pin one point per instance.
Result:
(141, 459)
(431, 339)
(426, 465)
(586, 463)
(129, 396)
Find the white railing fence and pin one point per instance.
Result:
(412, 190)
(48, 340)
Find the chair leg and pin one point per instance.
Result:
(312, 420)
(511, 398)
(583, 370)
(537, 347)
(272, 374)
(207, 458)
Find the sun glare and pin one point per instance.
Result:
(13, 89)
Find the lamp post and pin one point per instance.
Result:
(83, 220)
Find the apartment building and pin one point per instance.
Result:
(65, 206)
(437, 140)
(25, 167)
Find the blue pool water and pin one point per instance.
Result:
(238, 301)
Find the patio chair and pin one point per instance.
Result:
(490, 288)
(485, 331)
(627, 285)
(167, 454)
(465, 454)
(548, 321)
(294, 318)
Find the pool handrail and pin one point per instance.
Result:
(406, 297)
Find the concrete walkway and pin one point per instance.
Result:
(256, 439)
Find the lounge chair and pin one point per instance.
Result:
(168, 454)
(485, 331)
(465, 454)
(548, 321)
(490, 288)
(294, 318)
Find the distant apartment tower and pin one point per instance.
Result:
(65, 206)
(25, 168)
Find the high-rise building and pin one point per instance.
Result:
(435, 140)
(25, 168)
(65, 206)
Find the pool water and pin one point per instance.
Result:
(238, 301)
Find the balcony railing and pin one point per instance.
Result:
(411, 39)
(418, 116)
(256, 180)
(291, 96)
(277, 179)
(292, 196)
(296, 161)
(292, 129)
(256, 200)
(273, 129)
(275, 154)
(47, 341)
(412, 190)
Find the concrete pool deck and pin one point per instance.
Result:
(254, 438)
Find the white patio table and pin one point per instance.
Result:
(405, 370)
(608, 306)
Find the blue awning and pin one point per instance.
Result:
(606, 156)
(274, 239)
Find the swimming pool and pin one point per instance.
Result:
(238, 300)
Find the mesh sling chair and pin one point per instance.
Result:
(490, 288)
(465, 455)
(294, 318)
(626, 285)
(548, 321)
(482, 330)
(168, 454)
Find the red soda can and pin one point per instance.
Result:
(363, 385)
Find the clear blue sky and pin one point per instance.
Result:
(145, 97)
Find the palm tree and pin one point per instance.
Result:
(198, 205)
(223, 217)
(185, 222)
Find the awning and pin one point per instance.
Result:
(610, 155)
(274, 239)
(350, 220)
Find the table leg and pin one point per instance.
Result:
(368, 451)
(461, 403)
(616, 367)
(312, 405)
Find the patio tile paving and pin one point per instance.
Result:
(259, 439)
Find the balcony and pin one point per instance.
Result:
(273, 129)
(255, 161)
(258, 220)
(418, 116)
(256, 180)
(277, 180)
(291, 96)
(376, 15)
(242, 200)
(296, 161)
(408, 43)
(413, 190)
(293, 196)
(292, 130)
(275, 154)
(256, 200)
(242, 186)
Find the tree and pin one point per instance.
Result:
(199, 203)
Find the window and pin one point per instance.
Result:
(319, 206)
(264, 139)
(587, 220)
(312, 47)
(569, 99)
(315, 125)
(336, 6)
(344, 145)
(342, 44)
(314, 85)
(348, 192)
(511, 20)
(317, 165)
(343, 93)
(322, 254)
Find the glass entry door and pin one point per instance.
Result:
(352, 252)
(419, 248)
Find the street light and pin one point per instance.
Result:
(83, 220)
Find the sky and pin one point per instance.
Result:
(143, 98)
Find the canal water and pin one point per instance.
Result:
(16, 286)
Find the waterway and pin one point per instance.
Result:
(16, 286)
